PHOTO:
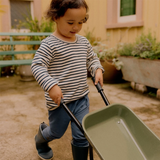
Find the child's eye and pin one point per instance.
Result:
(80, 22)
(70, 23)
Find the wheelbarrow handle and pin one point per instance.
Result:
(100, 90)
(74, 119)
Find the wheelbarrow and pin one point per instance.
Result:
(116, 133)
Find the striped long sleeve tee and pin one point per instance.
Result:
(65, 64)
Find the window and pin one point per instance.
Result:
(127, 7)
(20, 10)
(124, 13)
(126, 10)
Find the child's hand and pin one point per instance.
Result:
(99, 77)
(56, 94)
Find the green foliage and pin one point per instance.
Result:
(39, 26)
(89, 35)
(5, 48)
(143, 44)
(152, 94)
(101, 50)
(125, 49)
(146, 46)
(34, 25)
(105, 53)
(93, 40)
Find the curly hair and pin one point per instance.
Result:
(58, 8)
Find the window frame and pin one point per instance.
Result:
(122, 19)
(36, 9)
(113, 20)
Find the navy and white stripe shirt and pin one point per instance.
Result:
(65, 64)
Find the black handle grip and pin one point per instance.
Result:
(100, 90)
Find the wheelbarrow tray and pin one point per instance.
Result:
(116, 133)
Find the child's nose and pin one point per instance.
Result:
(76, 27)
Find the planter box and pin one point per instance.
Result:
(143, 71)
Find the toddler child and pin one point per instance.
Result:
(60, 67)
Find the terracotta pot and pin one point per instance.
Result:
(25, 73)
(111, 74)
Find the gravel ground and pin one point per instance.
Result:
(22, 106)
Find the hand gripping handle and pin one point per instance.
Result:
(100, 90)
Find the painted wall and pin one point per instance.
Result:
(45, 5)
(0, 22)
(151, 15)
(98, 20)
(1, 12)
(151, 22)
(5, 18)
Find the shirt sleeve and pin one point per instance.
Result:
(40, 65)
(93, 62)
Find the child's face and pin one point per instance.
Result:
(71, 23)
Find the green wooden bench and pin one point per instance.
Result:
(10, 42)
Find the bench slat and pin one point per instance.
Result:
(25, 34)
(9, 35)
(15, 62)
(19, 42)
(16, 52)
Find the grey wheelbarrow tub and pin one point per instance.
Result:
(116, 133)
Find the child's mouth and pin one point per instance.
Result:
(72, 32)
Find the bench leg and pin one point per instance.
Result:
(0, 71)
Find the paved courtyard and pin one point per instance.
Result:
(22, 106)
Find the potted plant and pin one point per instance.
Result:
(110, 62)
(33, 25)
(141, 61)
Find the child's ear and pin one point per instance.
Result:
(54, 19)
(86, 18)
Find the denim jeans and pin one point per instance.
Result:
(59, 120)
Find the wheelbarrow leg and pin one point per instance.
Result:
(91, 152)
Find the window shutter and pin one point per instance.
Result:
(20, 10)
(128, 7)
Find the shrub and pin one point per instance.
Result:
(146, 46)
